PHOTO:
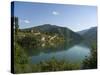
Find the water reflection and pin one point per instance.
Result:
(55, 48)
(73, 53)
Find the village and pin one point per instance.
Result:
(45, 40)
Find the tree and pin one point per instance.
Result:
(91, 62)
(28, 41)
(16, 25)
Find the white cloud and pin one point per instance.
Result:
(55, 13)
(26, 21)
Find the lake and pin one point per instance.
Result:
(74, 54)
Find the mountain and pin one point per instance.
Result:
(82, 32)
(89, 34)
(68, 34)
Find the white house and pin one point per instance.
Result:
(43, 39)
(53, 37)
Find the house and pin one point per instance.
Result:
(43, 39)
(53, 37)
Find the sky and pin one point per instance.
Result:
(74, 17)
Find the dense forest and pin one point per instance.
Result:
(47, 36)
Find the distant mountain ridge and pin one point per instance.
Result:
(89, 34)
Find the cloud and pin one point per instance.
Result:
(55, 13)
(26, 21)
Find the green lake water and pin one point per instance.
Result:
(74, 54)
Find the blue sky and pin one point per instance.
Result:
(75, 17)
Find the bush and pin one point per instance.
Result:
(21, 62)
(54, 65)
(28, 41)
(91, 62)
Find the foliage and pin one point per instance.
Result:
(21, 62)
(91, 62)
(28, 41)
(16, 25)
(54, 65)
